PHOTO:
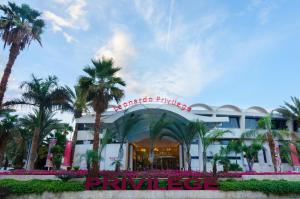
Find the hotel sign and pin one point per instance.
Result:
(148, 100)
(173, 183)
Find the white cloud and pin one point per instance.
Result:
(119, 47)
(75, 18)
(57, 21)
(68, 37)
(187, 76)
(61, 1)
(263, 9)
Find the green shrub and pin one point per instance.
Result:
(235, 167)
(76, 168)
(40, 186)
(276, 187)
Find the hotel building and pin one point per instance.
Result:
(169, 154)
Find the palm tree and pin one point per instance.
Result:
(100, 85)
(124, 129)
(44, 95)
(155, 129)
(7, 128)
(184, 133)
(269, 134)
(207, 137)
(78, 102)
(235, 145)
(251, 152)
(18, 27)
(291, 111)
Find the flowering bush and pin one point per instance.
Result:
(145, 174)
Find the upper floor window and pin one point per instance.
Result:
(279, 123)
(85, 126)
(234, 122)
(251, 122)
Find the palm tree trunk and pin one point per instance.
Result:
(13, 53)
(95, 163)
(271, 143)
(34, 147)
(249, 164)
(188, 155)
(74, 140)
(204, 160)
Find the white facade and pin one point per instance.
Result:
(229, 117)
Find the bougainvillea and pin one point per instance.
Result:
(137, 174)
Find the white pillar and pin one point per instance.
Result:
(290, 125)
(126, 156)
(130, 157)
(200, 158)
(180, 157)
(243, 122)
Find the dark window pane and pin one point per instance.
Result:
(85, 127)
(234, 122)
(251, 122)
(265, 155)
(279, 124)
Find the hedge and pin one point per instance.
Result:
(275, 187)
(40, 186)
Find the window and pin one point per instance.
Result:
(84, 142)
(279, 123)
(251, 122)
(224, 141)
(232, 123)
(85, 126)
(296, 128)
(265, 155)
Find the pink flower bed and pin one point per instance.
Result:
(137, 174)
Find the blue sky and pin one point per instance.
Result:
(215, 52)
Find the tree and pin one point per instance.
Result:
(19, 26)
(124, 129)
(291, 110)
(7, 128)
(235, 145)
(269, 134)
(185, 134)
(47, 126)
(155, 129)
(207, 137)
(100, 86)
(78, 102)
(45, 96)
(91, 156)
(251, 151)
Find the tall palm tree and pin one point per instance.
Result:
(18, 27)
(156, 127)
(78, 102)
(207, 137)
(269, 135)
(184, 133)
(129, 121)
(44, 95)
(291, 110)
(101, 85)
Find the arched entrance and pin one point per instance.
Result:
(167, 151)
